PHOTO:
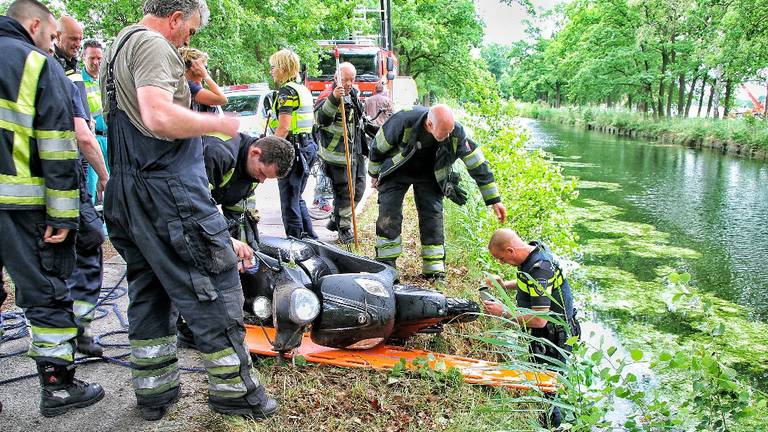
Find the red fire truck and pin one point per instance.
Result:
(374, 65)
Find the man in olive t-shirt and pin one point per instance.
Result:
(164, 223)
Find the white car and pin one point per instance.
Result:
(247, 102)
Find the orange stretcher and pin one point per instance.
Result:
(385, 357)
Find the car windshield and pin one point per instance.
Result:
(364, 64)
(244, 105)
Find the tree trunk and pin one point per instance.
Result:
(671, 91)
(728, 94)
(690, 96)
(557, 94)
(681, 95)
(703, 90)
(629, 101)
(664, 62)
(711, 96)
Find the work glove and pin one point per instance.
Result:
(453, 190)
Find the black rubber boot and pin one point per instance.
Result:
(331, 225)
(155, 413)
(346, 236)
(88, 346)
(61, 391)
(266, 408)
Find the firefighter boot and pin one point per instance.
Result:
(87, 345)
(61, 391)
(266, 407)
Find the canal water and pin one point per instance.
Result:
(645, 210)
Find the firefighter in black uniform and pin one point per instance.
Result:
(332, 152)
(85, 282)
(541, 286)
(235, 167)
(418, 147)
(164, 223)
(39, 199)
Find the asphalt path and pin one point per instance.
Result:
(117, 411)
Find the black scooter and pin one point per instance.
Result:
(346, 300)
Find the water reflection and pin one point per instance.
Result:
(709, 202)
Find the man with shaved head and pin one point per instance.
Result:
(39, 205)
(85, 282)
(417, 147)
(541, 287)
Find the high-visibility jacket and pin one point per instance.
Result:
(396, 142)
(38, 152)
(328, 118)
(302, 117)
(93, 94)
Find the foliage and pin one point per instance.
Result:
(747, 131)
(651, 55)
(434, 40)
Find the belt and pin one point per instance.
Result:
(302, 139)
(101, 133)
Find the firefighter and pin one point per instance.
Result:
(541, 286)
(39, 203)
(92, 55)
(86, 279)
(163, 222)
(332, 149)
(292, 119)
(235, 167)
(418, 147)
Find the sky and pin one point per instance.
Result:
(503, 23)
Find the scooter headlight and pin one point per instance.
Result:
(262, 308)
(305, 306)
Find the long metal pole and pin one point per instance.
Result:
(350, 186)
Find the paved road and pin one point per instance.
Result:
(117, 411)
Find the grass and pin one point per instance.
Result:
(324, 398)
(748, 130)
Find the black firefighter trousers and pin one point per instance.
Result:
(429, 206)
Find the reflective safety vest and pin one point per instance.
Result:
(303, 117)
(93, 92)
(529, 285)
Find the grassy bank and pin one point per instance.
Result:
(689, 383)
(747, 135)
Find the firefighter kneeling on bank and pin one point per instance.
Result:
(418, 147)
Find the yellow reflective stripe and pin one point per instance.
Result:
(31, 75)
(303, 118)
(432, 267)
(374, 167)
(227, 177)
(474, 159)
(22, 148)
(382, 145)
(62, 204)
(332, 156)
(432, 252)
(22, 190)
(56, 145)
(218, 135)
(329, 108)
(11, 112)
(388, 248)
(397, 159)
(25, 104)
(489, 191)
